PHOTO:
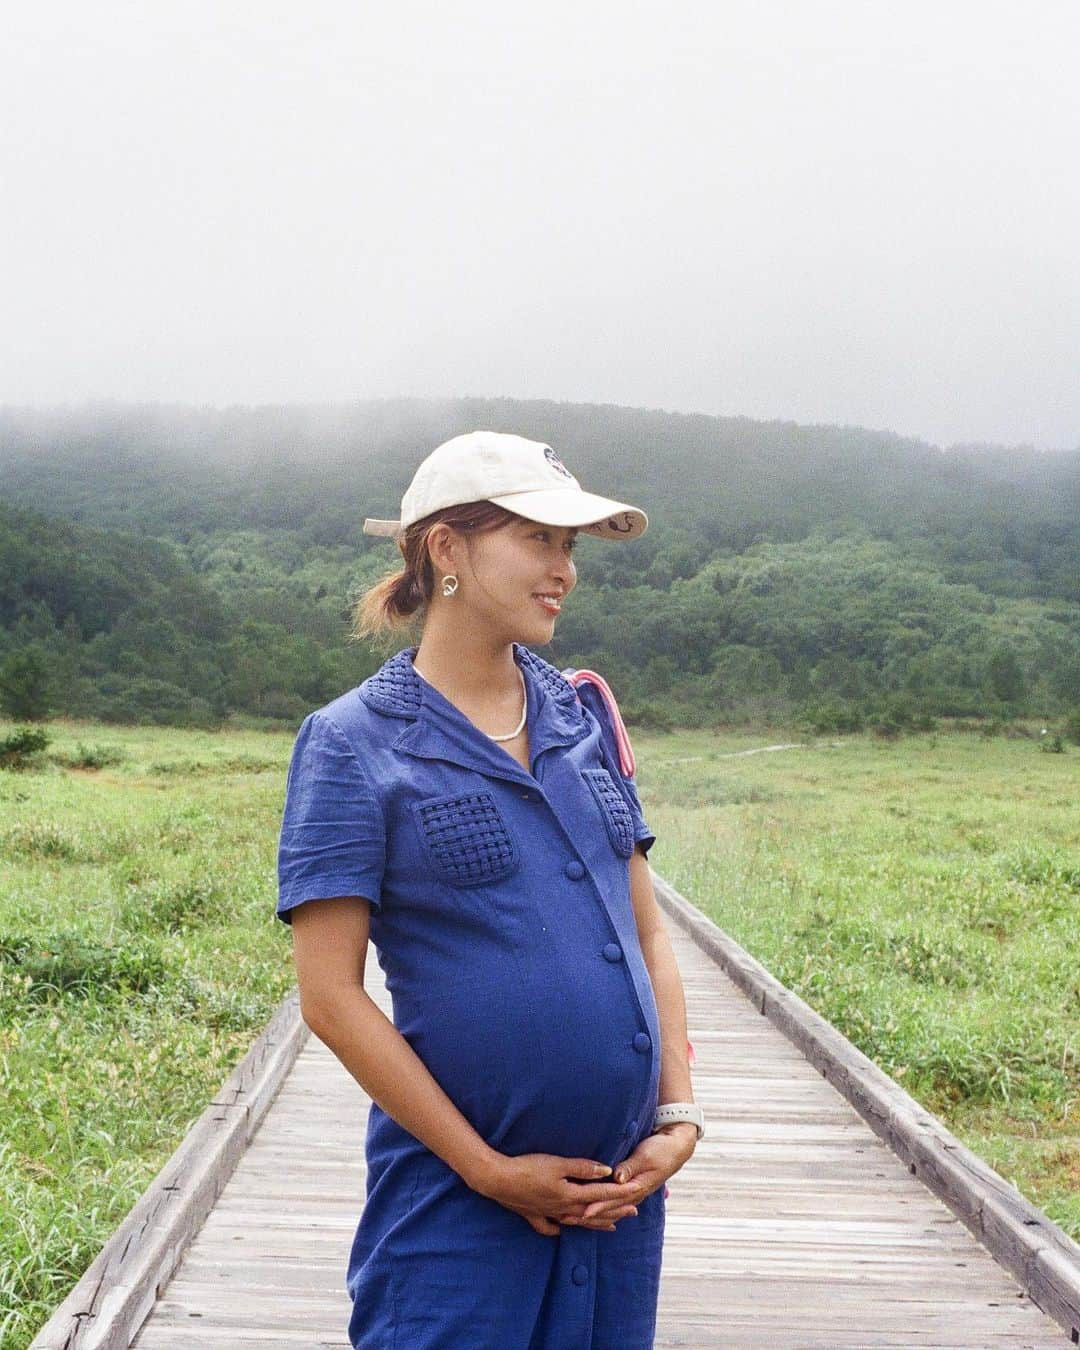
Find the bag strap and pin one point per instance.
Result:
(599, 699)
(601, 702)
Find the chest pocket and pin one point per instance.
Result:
(613, 807)
(466, 838)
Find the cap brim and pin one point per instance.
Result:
(578, 509)
(390, 528)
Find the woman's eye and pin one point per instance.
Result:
(545, 535)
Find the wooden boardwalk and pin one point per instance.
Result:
(793, 1225)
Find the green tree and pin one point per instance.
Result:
(24, 685)
(1006, 675)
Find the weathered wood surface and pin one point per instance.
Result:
(109, 1304)
(1044, 1259)
(793, 1225)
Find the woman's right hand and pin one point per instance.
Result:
(548, 1190)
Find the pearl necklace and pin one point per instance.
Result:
(524, 709)
(524, 713)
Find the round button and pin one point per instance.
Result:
(612, 952)
(580, 1274)
(642, 1043)
(575, 870)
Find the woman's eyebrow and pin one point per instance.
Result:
(572, 530)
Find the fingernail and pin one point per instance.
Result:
(620, 1176)
(602, 1171)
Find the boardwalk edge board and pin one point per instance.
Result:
(114, 1297)
(1023, 1239)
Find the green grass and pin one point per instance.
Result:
(139, 957)
(924, 896)
(921, 894)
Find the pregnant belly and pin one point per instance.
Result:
(564, 1065)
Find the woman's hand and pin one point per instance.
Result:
(656, 1158)
(540, 1185)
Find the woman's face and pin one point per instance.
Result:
(515, 578)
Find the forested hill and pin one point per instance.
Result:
(785, 567)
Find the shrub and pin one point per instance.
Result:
(151, 701)
(829, 717)
(89, 756)
(648, 716)
(18, 747)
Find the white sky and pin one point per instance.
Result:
(825, 210)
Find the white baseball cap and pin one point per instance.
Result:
(526, 477)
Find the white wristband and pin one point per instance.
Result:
(673, 1112)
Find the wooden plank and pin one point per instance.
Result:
(112, 1299)
(1025, 1240)
(793, 1225)
(814, 1234)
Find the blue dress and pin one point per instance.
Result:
(501, 916)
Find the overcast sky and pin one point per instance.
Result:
(824, 210)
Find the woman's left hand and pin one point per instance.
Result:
(658, 1157)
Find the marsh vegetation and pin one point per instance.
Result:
(921, 893)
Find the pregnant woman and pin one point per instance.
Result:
(471, 815)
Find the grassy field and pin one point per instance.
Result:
(922, 894)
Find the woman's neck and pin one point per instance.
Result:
(471, 668)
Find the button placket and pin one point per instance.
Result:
(562, 783)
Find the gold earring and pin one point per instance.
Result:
(449, 584)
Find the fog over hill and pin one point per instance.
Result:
(784, 566)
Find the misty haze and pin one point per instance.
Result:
(801, 283)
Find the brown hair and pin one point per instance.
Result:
(394, 601)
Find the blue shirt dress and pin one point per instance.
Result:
(501, 916)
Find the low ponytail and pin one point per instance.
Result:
(399, 598)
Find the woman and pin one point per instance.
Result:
(466, 812)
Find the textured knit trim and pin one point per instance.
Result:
(467, 838)
(396, 688)
(616, 813)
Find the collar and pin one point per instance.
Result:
(436, 729)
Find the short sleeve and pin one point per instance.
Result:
(333, 840)
(597, 708)
(642, 834)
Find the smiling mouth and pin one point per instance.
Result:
(550, 603)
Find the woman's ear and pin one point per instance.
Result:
(442, 548)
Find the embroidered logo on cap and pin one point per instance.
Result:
(555, 462)
(623, 523)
